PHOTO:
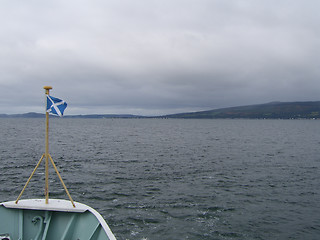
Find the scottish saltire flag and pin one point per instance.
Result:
(55, 106)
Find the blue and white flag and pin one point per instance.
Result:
(55, 106)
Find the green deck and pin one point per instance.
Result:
(26, 224)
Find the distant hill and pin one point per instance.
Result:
(273, 110)
(41, 115)
(24, 115)
(104, 116)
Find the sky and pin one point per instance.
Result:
(154, 57)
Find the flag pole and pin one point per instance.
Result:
(47, 88)
(46, 155)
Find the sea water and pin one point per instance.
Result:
(175, 179)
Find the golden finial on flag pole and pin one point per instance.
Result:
(47, 88)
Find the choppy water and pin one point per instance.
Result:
(176, 179)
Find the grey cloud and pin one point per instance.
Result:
(158, 56)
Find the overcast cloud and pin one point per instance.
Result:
(157, 56)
